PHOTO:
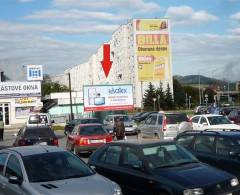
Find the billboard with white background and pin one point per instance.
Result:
(20, 89)
(108, 97)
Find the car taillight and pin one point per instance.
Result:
(164, 127)
(55, 142)
(22, 142)
(83, 141)
(109, 138)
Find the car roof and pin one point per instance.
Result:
(90, 124)
(141, 142)
(228, 133)
(118, 115)
(32, 150)
(37, 127)
(207, 115)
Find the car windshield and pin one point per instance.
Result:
(167, 156)
(54, 166)
(38, 119)
(176, 118)
(39, 132)
(218, 120)
(93, 130)
(123, 118)
(90, 120)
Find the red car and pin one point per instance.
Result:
(87, 138)
(234, 115)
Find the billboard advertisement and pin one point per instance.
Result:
(20, 89)
(34, 72)
(153, 49)
(107, 97)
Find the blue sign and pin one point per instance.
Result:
(34, 73)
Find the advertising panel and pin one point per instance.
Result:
(34, 72)
(153, 49)
(26, 102)
(108, 97)
(20, 89)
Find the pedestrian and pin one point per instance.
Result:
(1, 128)
(119, 129)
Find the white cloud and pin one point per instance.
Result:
(134, 5)
(74, 14)
(235, 16)
(235, 31)
(186, 15)
(215, 55)
(76, 28)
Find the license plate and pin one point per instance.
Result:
(229, 194)
(42, 143)
(96, 141)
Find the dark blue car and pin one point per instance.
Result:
(160, 168)
(217, 148)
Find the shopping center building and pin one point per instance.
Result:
(141, 53)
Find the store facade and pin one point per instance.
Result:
(18, 100)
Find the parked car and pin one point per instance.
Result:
(36, 170)
(234, 116)
(87, 137)
(164, 125)
(201, 109)
(42, 135)
(217, 148)
(39, 119)
(70, 125)
(143, 116)
(130, 126)
(137, 115)
(162, 168)
(212, 121)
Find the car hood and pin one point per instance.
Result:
(224, 126)
(128, 123)
(91, 185)
(194, 175)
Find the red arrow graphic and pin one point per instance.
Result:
(106, 63)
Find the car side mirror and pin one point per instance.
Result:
(15, 180)
(53, 121)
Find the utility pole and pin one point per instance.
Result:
(142, 95)
(159, 106)
(186, 101)
(189, 102)
(70, 94)
(199, 89)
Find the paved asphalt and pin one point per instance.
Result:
(9, 139)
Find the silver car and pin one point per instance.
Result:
(48, 170)
(130, 125)
(164, 125)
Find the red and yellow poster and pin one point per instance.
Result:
(153, 52)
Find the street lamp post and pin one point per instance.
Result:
(154, 106)
(189, 102)
(159, 107)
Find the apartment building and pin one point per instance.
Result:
(141, 53)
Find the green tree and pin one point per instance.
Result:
(169, 98)
(51, 87)
(149, 94)
(179, 95)
(210, 94)
(160, 97)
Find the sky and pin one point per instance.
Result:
(59, 34)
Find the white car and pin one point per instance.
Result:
(212, 121)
